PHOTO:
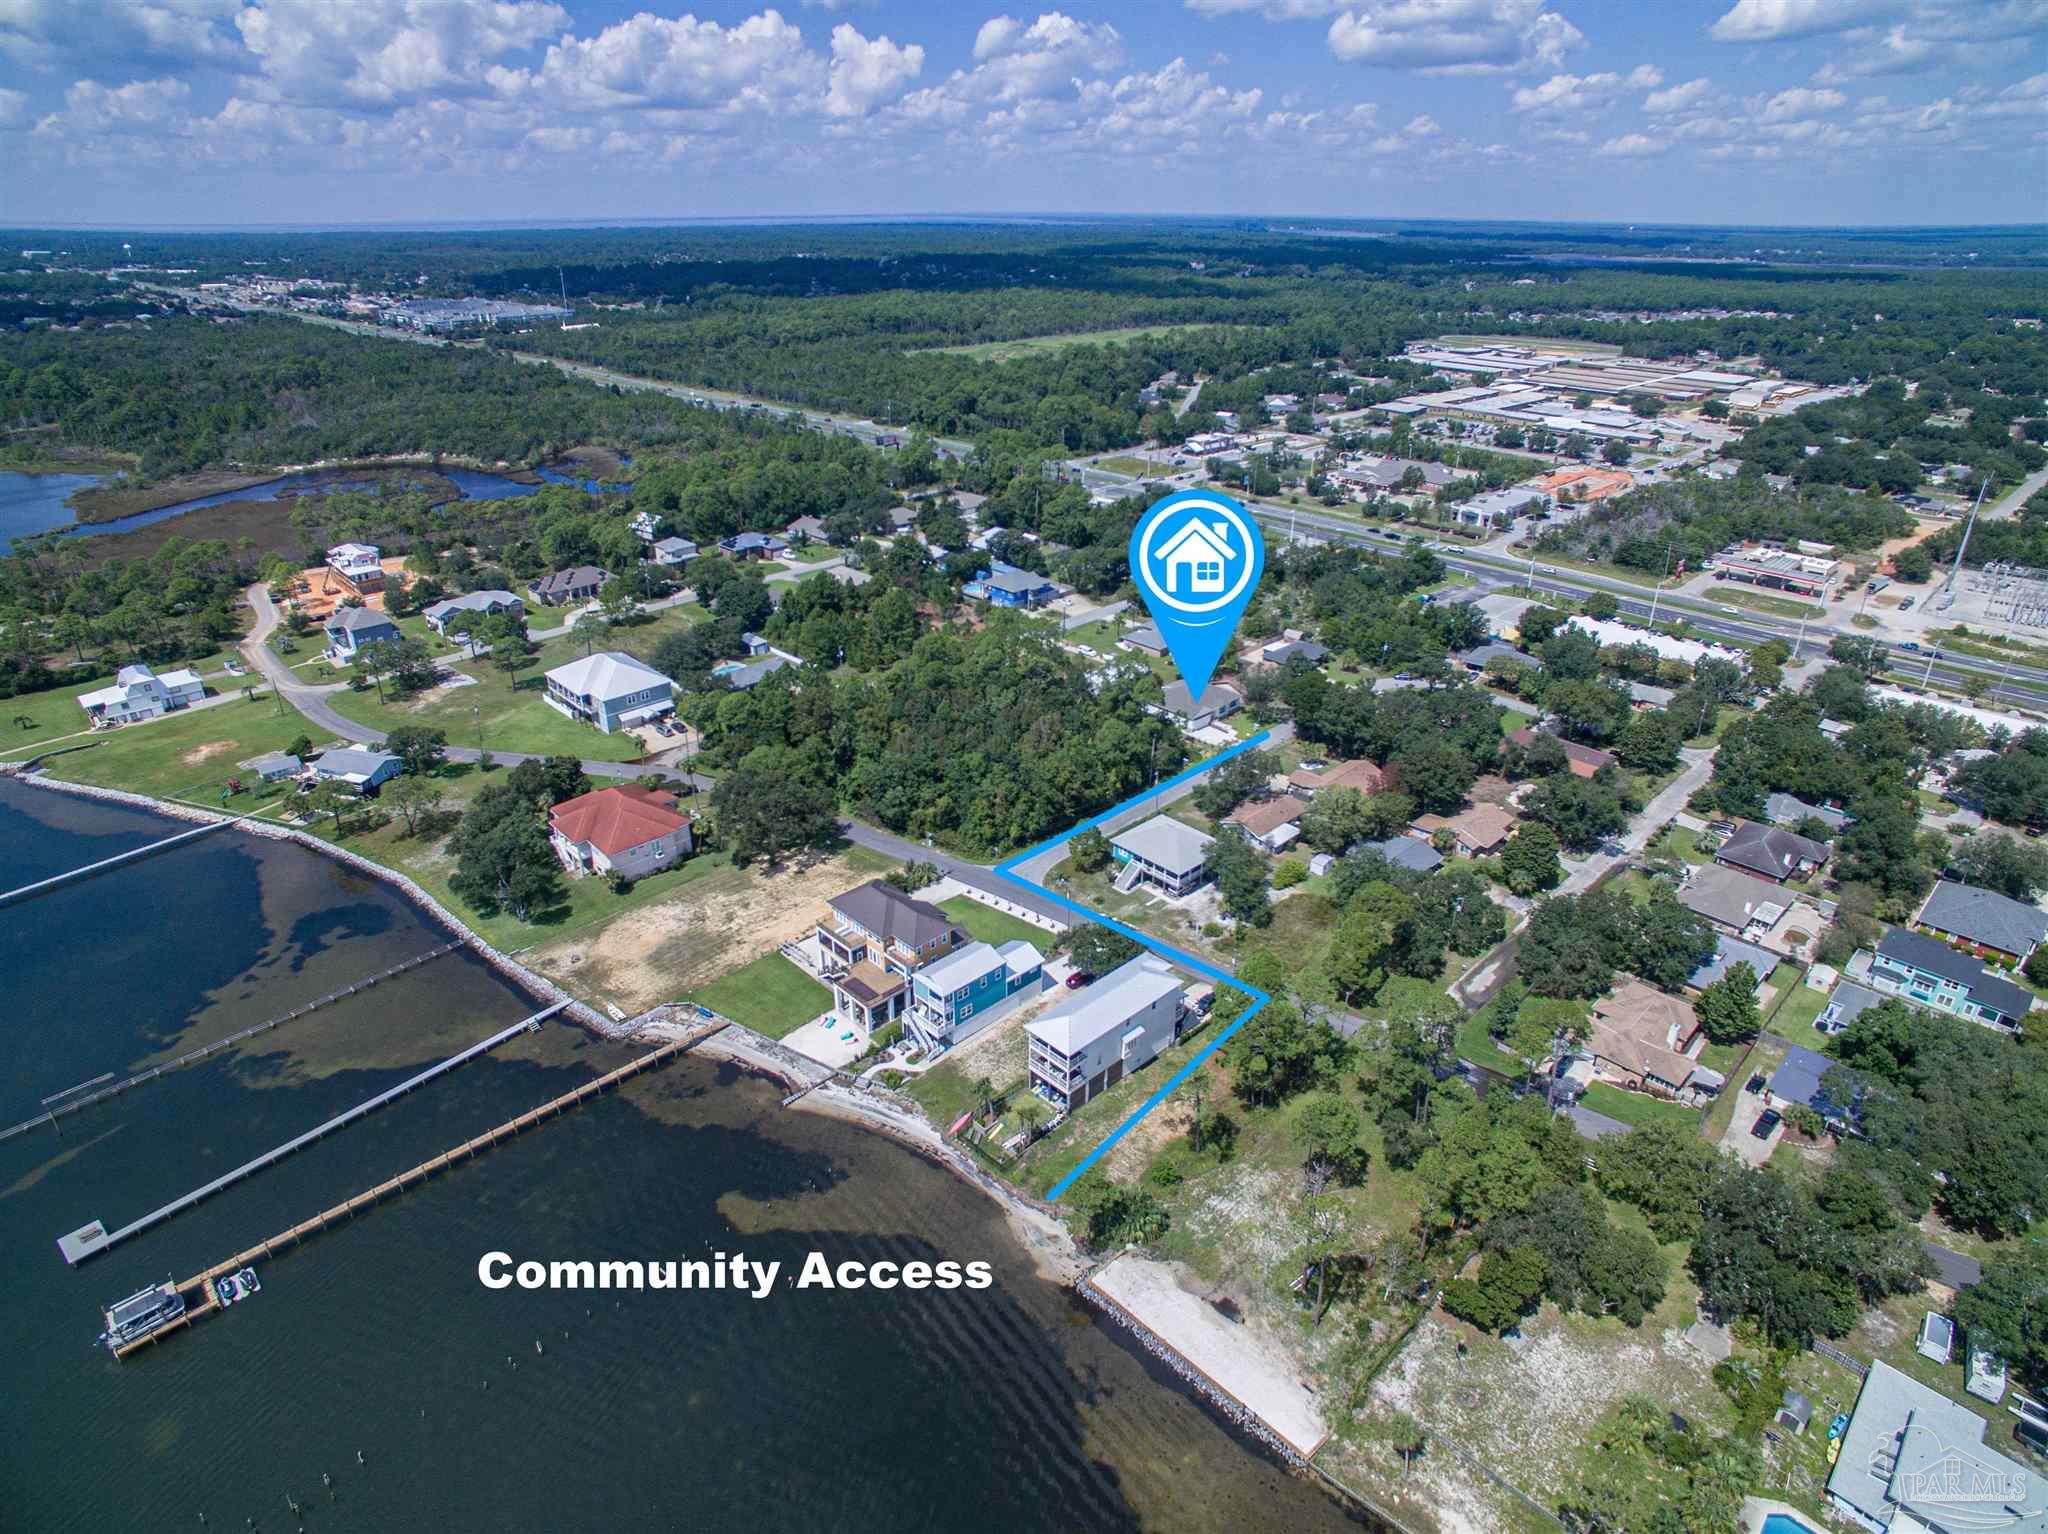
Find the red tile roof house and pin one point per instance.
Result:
(1584, 761)
(635, 830)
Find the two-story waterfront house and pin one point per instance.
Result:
(956, 997)
(1103, 1032)
(139, 693)
(872, 940)
(610, 690)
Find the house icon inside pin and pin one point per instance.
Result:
(1194, 558)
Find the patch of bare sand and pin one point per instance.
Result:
(664, 950)
(206, 750)
(1129, 1157)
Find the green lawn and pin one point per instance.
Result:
(514, 715)
(989, 925)
(1763, 602)
(1138, 467)
(1798, 1008)
(1474, 1043)
(188, 755)
(29, 720)
(1679, 842)
(1636, 1108)
(770, 995)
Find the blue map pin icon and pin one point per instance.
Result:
(1196, 558)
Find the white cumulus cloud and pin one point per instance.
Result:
(868, 71)
(1454, 36)
(1676, 98)
(1632, 146)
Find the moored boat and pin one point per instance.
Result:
(141, 1313)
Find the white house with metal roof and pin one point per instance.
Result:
(139, 693)
(1168, 852)
(611, 690)
(1103, 1032)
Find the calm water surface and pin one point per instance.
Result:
(1006, 1409)
(36, 503)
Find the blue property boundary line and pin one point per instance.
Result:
(1007, 869)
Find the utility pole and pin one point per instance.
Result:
(1948, 588)
(1658, 589)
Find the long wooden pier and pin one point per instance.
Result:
(194, 1056)
(91, 1239)
(200, 1298)
(130, 856)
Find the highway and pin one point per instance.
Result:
(858, 427)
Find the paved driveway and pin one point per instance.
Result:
(1738, 1138)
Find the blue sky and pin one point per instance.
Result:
(1723, 111)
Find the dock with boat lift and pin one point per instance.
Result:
(91, 1239)
(201, 1299)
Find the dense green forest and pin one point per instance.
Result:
(861, 318)
(1678, 523)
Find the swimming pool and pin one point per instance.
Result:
(1785, 1523)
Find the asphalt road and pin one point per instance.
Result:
(2016, 683)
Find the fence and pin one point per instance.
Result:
(1828, 1350)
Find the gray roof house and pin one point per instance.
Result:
(753, 545)
(348, 629)
(1785, 810)
(1475, 659)
(1984, 917)
(1219, 700)
(672, 551)
(1166, 851)
(1410, 852)
(481, 603)
(358, 767)
(1770, 852)
(1145, 637)
(1282, 651)
(1911, 1457)
(578, 584)
(1929, 972)
(275, 766)
(1729, 952)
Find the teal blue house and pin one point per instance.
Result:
(955, 998)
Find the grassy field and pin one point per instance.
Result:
(989, 925)
(188, 755)
(513, 714)
(33, 718)
(1637, 1108)
(770, 995)
(1025, 346)
(1139, 467)
(1763, 602)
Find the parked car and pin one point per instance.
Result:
(1906, 606)
(1756, 1083)
(1766, 1121)
(1079, 978)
